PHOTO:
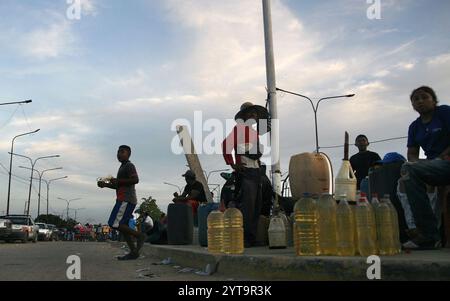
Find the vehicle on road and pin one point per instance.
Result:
(5, 228)
(54, 236)
(44, 232)
(23, 228)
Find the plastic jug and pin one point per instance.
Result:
(327, 224)
(345, 225)
(233, 234)
(385, 229)
(345, 182)
(277, 232)
(306, 226)
(387, 199)
(365, 228)
(215, 232)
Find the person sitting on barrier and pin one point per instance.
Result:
(193, 193)
(146, 223)
(431, 132)
(363, 160)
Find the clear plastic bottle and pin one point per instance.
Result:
(233, 234)
(365, 225)
(215, 232)
(306, 226)
(372, 207)
(385, 229)
(395, 225)
(375, 201)
(327, 224)
(345, 226)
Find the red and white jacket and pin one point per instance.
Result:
(242, 139)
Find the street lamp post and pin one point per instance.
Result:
(10, 165)
(316, 108)
(48, 187)
(76, 211)
(68, 204)
(170, 184)
(40, 181)
(15, 102)
(214, 171)
(33, 163)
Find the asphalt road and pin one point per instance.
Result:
(46, 261)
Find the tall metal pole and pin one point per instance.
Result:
(48, 188)
(39, 194)
(10, 166)
(271, 85)
(31, 185)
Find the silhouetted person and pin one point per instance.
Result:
(363, 160)
(126, 201)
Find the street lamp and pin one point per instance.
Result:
(76, 211)
(170, 184)
(32, 170)
(68, 204)
(15, 102)
(10, 166)
(315, 108)
(40, 180)
(48, 187)
(214, 171)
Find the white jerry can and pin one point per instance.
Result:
(277, 232)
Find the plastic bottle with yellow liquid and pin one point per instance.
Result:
(345, 228)
(373, 206)
(233, 234)
(395, 225)
(365, 225)
(385, 229)
(215, 232)
(306, 226)
(327, 224)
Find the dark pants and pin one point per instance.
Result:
(415, 176)
(249, 201)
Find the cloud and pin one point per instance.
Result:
(51, 41)
(438, 60)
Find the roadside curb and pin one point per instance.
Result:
(264, 264)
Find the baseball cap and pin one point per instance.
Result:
(189, 174)
(391, 158)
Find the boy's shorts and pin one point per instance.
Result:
(121, 214)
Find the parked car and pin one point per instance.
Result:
(23, 228)
(44, 233)
(5, 228)
(54, 236)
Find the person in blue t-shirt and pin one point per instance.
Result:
(431, 132)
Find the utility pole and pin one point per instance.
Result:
(272, 90)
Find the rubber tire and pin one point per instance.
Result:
(35, 239)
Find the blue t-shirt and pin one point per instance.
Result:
(432, 137)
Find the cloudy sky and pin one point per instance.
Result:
(124, 71)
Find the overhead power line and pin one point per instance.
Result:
(373, 142)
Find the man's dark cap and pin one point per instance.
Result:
(189, 174)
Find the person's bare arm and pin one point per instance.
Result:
(413, 154)
(192, 196)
